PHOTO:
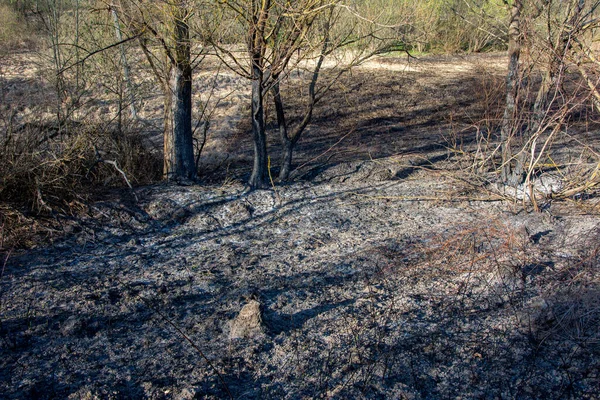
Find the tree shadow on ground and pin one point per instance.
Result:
(284, 323)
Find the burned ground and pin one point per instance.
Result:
(384, 270)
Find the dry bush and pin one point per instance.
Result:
(42, 178)
(57, 146)
(486, 261)
(558, 151)
(490, 302)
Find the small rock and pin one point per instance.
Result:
(249, 321)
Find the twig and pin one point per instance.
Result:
(116, 166)
(433, 198)
(92, 53)
(372, 22)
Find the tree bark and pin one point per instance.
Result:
(179, 163)
(509, 118)
(257, 48)
(260, 174)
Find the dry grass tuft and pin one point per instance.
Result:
(45, 174)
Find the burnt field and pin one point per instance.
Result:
(387, 268)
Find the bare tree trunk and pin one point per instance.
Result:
(260, 174)
(509, 119)
(257, 48)
(289, 141)
(179, 163)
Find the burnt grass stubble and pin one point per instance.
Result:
(379, 274)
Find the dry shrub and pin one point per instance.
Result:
(554, 294)
(516, 308)
(487, 262)
(141, 163)
(18, 230)
(45, 175)
(560, 158)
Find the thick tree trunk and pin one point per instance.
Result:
(509, 119)
(179, 163)
(178, 144)
(257, 48)
(260, 174)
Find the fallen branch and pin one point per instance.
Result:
(99, 159)
(434, 198)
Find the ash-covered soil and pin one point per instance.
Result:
(369, 288)
(385, 270)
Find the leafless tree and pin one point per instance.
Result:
(168, 41)
(284, 34)
(556, 36)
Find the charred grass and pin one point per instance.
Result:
(405, 286)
